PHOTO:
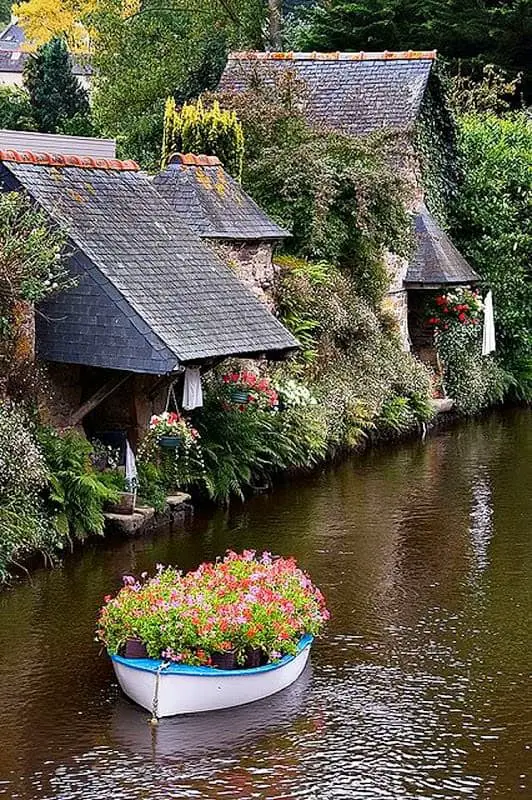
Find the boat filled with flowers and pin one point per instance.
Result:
(223, 635)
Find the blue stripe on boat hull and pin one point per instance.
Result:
(153, 664)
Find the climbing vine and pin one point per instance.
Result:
(436, 144)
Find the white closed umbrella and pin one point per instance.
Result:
(488, 333)
(131, 468)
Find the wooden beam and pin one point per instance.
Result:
(98, 397)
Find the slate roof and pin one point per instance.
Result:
(213, 203)
(151, 294)
(13, 56)
(357, 93)
(436, 260)
(12, 37)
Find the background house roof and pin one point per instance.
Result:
(436, 260)
(213, 203)
(12, 37)
(14, 54)
(150, 293)
(354, 92)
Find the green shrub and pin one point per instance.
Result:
(493, 229)
(77, 494)
(212, 131)
(15, 109)
(25, 527)
(474, 381)
(337, 194)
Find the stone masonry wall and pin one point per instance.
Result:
(253, 263)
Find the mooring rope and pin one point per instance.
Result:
(155, 703)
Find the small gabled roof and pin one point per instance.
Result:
(436, 260)
(151, 294)
(356, 93)
(212, 202)
(14, 54)
(12, 37)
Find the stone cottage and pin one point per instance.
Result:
(359, 94)
(151, 297)
(215, 206)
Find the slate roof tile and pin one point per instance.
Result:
(357, 93)
(436, 260)
(212, 202)
(147, 273)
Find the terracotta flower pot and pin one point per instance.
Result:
(224, 660)
(135, 648)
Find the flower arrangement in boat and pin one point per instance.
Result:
(461, 305)
(249, 388)
(226, 613)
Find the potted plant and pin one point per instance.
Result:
(239, 612)
(172, 430)
(245, 388)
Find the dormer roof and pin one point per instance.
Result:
(212, 202)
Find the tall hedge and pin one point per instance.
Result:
(493, 227)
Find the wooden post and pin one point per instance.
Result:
(98, 397)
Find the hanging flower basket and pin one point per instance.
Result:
(246, 388)
(170, 430)
(170, 442)
(240, 397)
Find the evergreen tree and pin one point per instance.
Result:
(5, 12)
(59, 102)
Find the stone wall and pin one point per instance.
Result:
(405, 161)
(253, 263)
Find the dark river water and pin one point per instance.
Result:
(420, 687)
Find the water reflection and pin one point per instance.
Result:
(419, 690)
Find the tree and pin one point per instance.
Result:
(476, 32)
(15, 109)
(493, 228)
(57, 98)
(44, 20)
(5, 11)
(210, 131)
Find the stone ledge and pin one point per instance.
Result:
(441, 406)
(144, 518)
(178, 499)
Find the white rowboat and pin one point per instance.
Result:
(166, 690)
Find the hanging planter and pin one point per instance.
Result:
(170, 442)
(240, 397)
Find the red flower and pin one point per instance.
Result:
(462, 317)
